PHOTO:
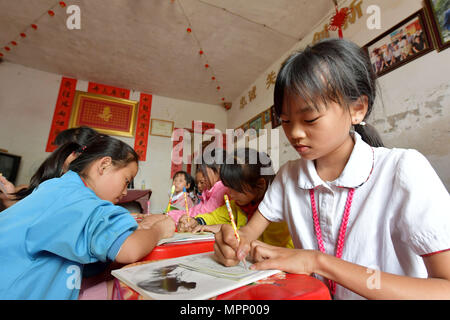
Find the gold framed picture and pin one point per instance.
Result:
(108, 115)
(161, 128)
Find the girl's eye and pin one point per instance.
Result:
(284, 121)
(312, 120)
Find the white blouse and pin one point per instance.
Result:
(400, 209)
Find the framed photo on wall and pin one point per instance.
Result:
(439, 16)
(161, 128)
(109, 115)
(403, 43)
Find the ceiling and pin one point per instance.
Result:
(144, 45)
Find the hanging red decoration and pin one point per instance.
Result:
(206, 65)
(218, 88)
(189, 30)
(62, 4)
(23, 35)
(51, 13)
(14, 43)
(338, 20)
(7, 48)
(34, 26)
(1, 54)
(213, 78)
(200, 52)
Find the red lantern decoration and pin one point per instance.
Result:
(62, 4)
(206, 65)
(51, 13)
(1, 54)
(200, 52)
(7, 49)
(34, 26)
(218, 88)
(189, 30)
(213, 78)
(14, 43)
(23, 35)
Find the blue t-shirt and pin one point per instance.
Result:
(46, 238)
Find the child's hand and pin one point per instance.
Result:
(227, 249)
(149, 220)
(6, 186)
(284, 259)
(164, 226)
(186, 223)
(214, 228)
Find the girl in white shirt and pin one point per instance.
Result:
(371, 222)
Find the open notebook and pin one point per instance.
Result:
(194, 277)
(187, 236)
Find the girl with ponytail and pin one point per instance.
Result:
(367, 220)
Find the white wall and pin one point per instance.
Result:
(412, 111)
(27, 102)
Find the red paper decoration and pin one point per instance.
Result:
(189, 30)
(7, 49)
(62, 4)
(338, 20)
(108, 90)
(218, 88)
(14, 43)
(63, 109)
(206, 65)
(23, 35)
(213, 78)
(34, 26)
(1, 54)
(142, 125)
(51, 13)
(200, 52)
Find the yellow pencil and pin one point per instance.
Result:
(233, 224)
(170, 199)
(186, 203)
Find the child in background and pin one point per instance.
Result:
(80, 135)
(183, 181)
(46, 238)
(200, 185)
(247, 174)
(212, 196)
(383, 210)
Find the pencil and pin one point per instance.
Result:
(170, 199)
(186, 203)
(233, 224)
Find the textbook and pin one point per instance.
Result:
(187, 236)
(194, 277)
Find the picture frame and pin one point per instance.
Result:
(256, 123)
(439, 18)
(161, 128)
(108, 115)
(401, 44)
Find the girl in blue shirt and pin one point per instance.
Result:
(67, 222)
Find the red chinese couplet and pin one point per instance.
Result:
(142, 126)
(108, 90)
(63, 109)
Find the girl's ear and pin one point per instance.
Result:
(358, 109)
(104, 163)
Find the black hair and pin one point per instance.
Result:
(96, 147)
(212, 159)
(189, 180)
(80, 135)
(349, 76)
(244, 168)
(52, 167)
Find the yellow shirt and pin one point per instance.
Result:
(276, 234)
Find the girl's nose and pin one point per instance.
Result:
(295, 131)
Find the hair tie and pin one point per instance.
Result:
(83, 148)
(362, 123)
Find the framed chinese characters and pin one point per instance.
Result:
(109, 115)
(404, 42)
(439, 15)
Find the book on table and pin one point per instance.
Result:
(194, 277)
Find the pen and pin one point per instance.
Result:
(236, 234)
